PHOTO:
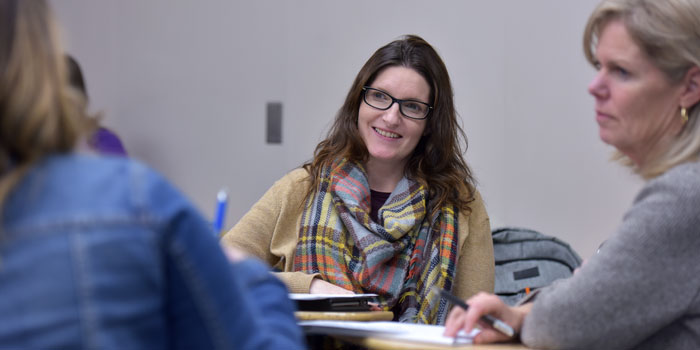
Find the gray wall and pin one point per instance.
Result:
(185, 83)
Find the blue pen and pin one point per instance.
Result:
(220, 215)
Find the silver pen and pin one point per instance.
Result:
(488, 319)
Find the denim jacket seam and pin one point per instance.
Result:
(88, 316)
(84, 221)
(207, 310)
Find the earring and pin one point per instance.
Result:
(684, 115)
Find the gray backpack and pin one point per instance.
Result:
(527, 260)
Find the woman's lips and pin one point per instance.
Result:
(386, 134)
(601, 117)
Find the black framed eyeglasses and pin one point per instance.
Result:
(382, 100)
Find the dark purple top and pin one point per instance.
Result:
(107, 143)
(378, 199)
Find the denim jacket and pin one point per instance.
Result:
(103, 253)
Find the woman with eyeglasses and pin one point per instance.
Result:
(388, 204)
(640, 291)
(103, 253)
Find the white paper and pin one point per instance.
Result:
(390, 330)
(307, 296)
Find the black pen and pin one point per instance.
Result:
(488, 319)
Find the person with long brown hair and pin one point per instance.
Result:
(387, 205)
(102, 252)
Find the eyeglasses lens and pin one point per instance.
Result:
(381, 100)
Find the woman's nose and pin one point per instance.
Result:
(597, 86)
(392, 116)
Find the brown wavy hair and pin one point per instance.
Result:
(437, 161)
(40, 113)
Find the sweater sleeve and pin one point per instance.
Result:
(475, 266)
(254, 232)
(643, 280)
(269, 230)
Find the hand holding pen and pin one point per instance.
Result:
(489, 311)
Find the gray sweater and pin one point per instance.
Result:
(641, 290)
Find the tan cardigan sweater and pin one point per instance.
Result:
(270, 231)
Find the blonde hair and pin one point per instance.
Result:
(668, 32)
(40, 113)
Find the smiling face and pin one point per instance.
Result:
(636, 105)
(390, 137)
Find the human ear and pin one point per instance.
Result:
(691, 91)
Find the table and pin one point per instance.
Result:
(387, 344)
(345, 316)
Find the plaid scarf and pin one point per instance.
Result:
(399, 258)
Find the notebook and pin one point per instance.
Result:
(409, 332)
(333, 302)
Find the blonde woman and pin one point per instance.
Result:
(103, 253)
(641, 290)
